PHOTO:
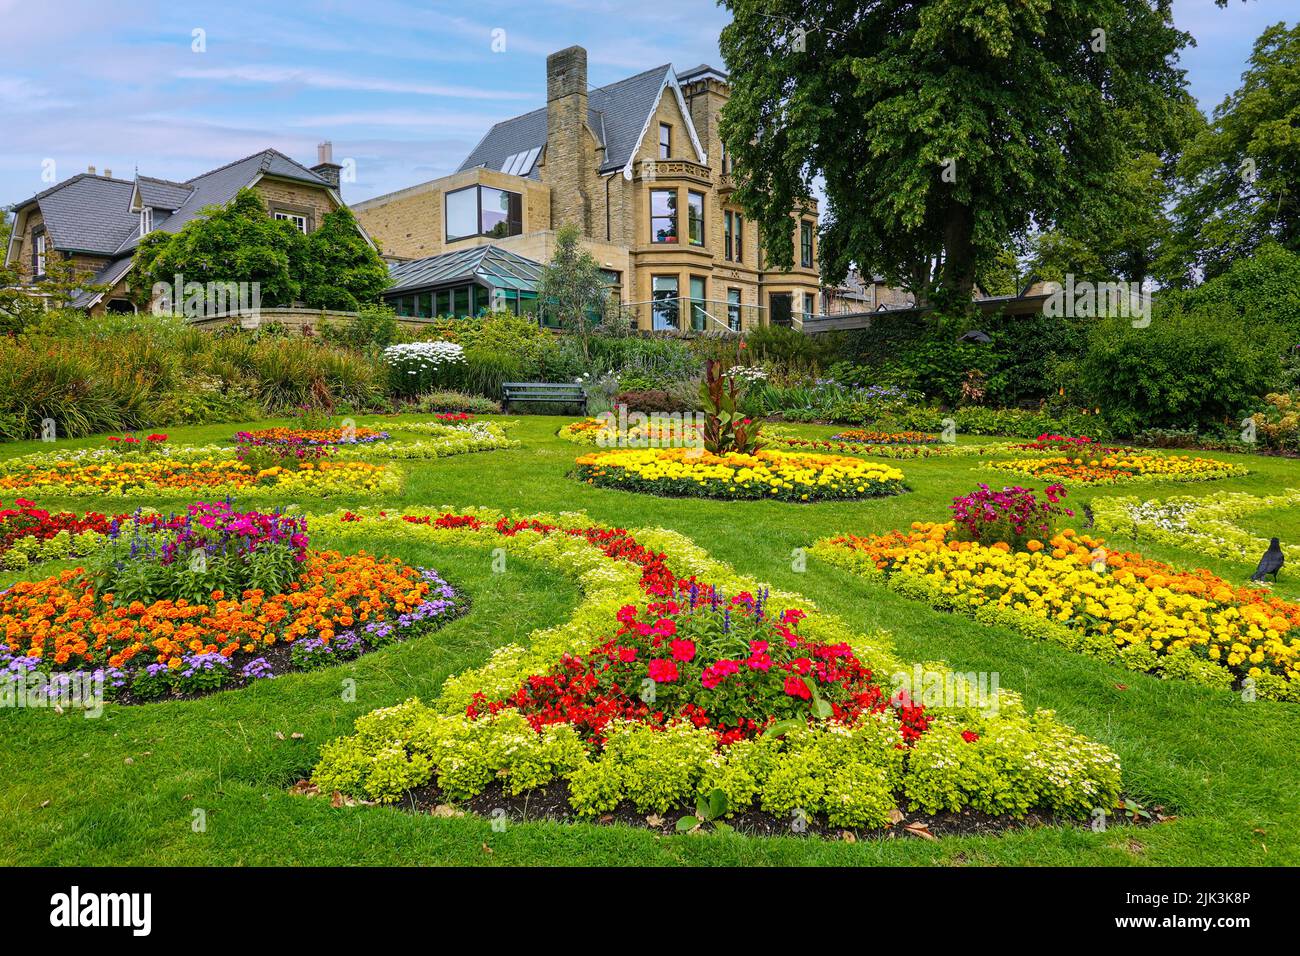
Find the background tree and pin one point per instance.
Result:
(572, 287)
(942, 131)
(1242, 172)
(342, 270)
(237, 242)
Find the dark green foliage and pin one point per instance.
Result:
(237, 242)
(341, 270)
(1012, 100)
(1187, 369)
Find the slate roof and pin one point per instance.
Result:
(617, 113)
(89, 213)
(161, 193)
(489, 265)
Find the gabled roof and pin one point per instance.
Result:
(488, 265)
(160, 193)
(87, 213)
(93, 214)
(618, 114)
(218, 187)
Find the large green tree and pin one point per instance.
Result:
(237, 242)
(1242, 173)
(342, 270)
(942, 129)
(572, 287)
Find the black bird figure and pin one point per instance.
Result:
(1087, 516)
(1270, 563)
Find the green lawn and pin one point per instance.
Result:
(122, 789)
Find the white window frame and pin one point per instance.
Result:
(298, 219)
(146, 221)
(42, 252)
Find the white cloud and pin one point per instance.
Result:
(323, 79)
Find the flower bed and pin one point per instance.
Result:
(786, 476)
(447, 439)
(1120, 468)
(88, 475)
(778, 436)
(605, 433)
(29, 534)
(1203, 524)
(311, 436)
(859, 436)
(660, 691)
(212, 599)
(1120, 607)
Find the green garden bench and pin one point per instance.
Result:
(560, 393)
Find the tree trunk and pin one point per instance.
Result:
(958, 277)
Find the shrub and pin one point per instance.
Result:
(444, 401)
(1188, 369)
(416, 367)
(650, 400)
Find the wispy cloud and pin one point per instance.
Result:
(326, 80)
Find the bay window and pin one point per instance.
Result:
(663, 215)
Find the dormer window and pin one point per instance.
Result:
(665, 141)
(146, 221)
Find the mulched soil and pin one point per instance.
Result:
(551, 802)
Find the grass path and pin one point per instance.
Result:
(69, 795)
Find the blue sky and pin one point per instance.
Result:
(403, 89)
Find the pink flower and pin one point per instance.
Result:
(663, 671)
(682, 650)
(795, 687)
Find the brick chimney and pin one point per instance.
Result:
(325, 167)
(566, 167)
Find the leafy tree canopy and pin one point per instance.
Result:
(342, 270)
(572, 286)
(942, 129)
(333, 268)
(1242, 172)
(237, 242)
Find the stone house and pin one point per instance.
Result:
(96, 221)
(639, 167)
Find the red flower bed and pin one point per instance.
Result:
(25, 520)
(729, 664)
(724, 664)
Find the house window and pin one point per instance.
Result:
(726, 161)
(809, 306)
(482, 211)
(665, 303)
(298, 219)
(726, 235)
(614, 280)
(740, 239)
(699, 314)
(695, 217)
(733, 309)
(38, 254)
(665, 140)
(146, 221)
(663, 215)
(806, 243)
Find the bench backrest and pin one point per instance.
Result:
(543, 391)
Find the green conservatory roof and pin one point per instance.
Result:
(485, 265)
